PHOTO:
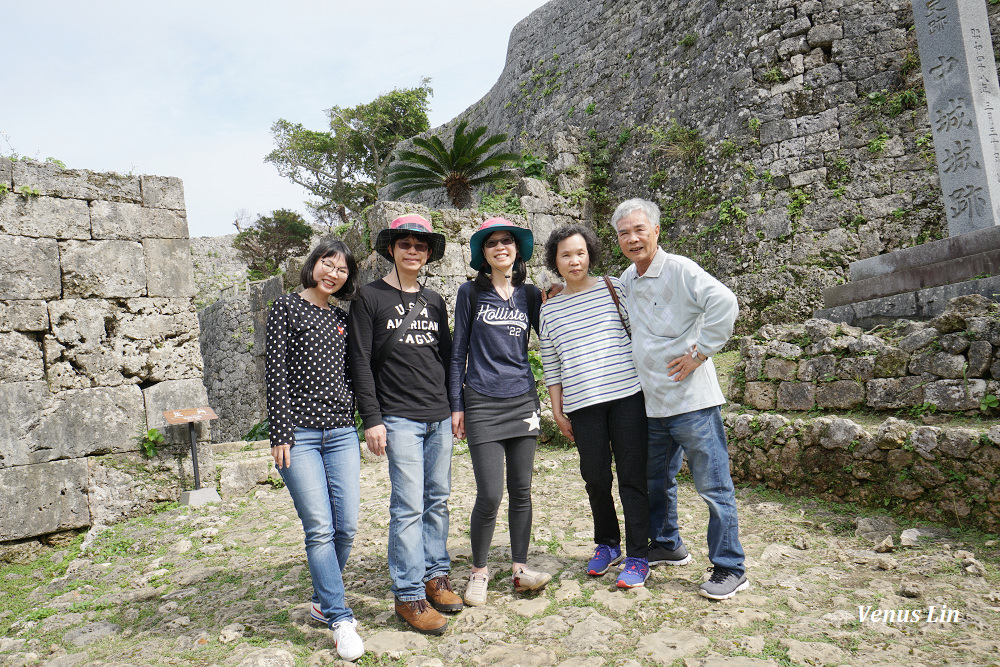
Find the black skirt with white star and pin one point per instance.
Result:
(489, 419)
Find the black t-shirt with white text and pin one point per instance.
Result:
(413, 381)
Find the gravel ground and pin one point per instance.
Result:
(227, 584)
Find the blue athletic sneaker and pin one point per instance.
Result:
(604, 558)
(634, 574)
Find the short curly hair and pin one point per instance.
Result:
(561, 234)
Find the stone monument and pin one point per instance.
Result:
(963, 101)
(963, 98)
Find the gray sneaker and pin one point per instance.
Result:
(723, 584)
(659, 555)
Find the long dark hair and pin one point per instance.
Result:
(329, 248)
(518, 274)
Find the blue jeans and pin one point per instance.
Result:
(324, 480)
(702, 437)
(420, 473)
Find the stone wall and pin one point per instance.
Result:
(233, 342)
(950, 364)
(926, 472)
(217, 267)
(783, 138)
(98, 336)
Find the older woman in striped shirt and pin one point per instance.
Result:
(597, 401)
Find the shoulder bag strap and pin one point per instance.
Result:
(618, 306)
(401, 330)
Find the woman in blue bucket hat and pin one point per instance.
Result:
(492, 393)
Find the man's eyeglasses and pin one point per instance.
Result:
(406, 245)
(330, 267)
(493, 243)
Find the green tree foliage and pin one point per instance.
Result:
(345, 166)
(270, 240)
(467, 163)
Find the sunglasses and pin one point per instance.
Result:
(493, 243)
(406, 245)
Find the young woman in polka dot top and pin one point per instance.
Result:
(310, 404)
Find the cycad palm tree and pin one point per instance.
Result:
(468, 163)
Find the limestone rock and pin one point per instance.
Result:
(875, 528)
(796, 396)
(25, 268)
(24, 315)
(162, 192)
(102, 269)
(131, 222)
(20, 358)
(893, 393)
(954, 395)
(918, 339)
(890, 362)
(268, 657)
(44, 426)
(89, 634)
(841, 395)
(760, 395)
(669, 644)
(817, 369)
(44, 217)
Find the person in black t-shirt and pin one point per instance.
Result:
(315, 446)
(401, 381)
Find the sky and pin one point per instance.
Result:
(190, 89)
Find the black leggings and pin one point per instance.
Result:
(488, 466)
(617, 427)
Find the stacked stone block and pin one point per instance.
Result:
(97, 336)
(926, 472)
(950, 364)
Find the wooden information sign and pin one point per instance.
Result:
(191, 415)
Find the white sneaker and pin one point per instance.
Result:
(475, 590)
(348, 641)
(530, 580)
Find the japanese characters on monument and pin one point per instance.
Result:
(963, 99)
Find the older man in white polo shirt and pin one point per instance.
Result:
(680, 316)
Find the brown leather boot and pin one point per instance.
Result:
(442, 596)
(419, 616)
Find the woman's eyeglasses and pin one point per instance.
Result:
(330, 267)
(406, 245)
(493, 243)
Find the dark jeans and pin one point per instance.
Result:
(488, 466)
(617, 427)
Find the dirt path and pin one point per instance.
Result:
(228, 585)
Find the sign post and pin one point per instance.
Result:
(199, 496)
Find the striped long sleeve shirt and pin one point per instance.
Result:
(586, 349)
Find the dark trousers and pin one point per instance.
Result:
(615, 428)
(488, 466)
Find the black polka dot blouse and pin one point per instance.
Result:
(306, 371)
